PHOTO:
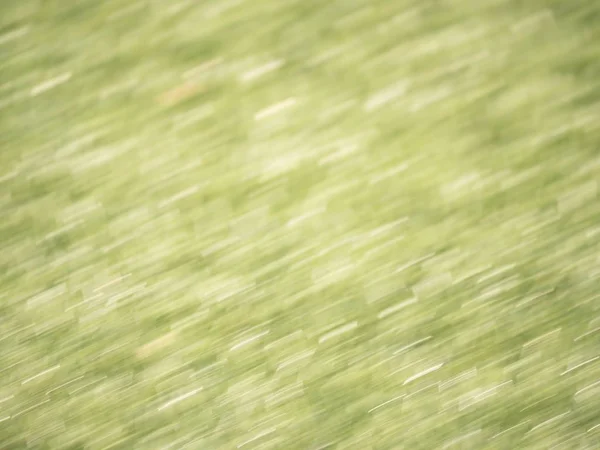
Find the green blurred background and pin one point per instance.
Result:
(286, 224)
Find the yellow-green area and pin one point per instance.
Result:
(299, 224)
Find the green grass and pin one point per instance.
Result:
(286, 224)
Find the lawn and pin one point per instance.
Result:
(299, 224)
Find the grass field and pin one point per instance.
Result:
(286, 224)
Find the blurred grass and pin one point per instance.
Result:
(299, 224)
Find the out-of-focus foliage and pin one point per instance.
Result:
(299, 224)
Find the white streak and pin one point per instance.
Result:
(578, 197)
(47, 295)
(258, 436)
(541, 338)
(30, 408)
(81, 388)
(535, 297)
(248, 341)
(587, 334)
(13, 333)
(388, 173)
(580, 365)
(587, 387)
(179, 196)
(423, 373)
(414, 263)
(344, 151)
(301, 218)
(461, 438)
(275, 109)
(296, 335)
(12, 35)
(412, 344)
(40, 374)
(343, 329)
(430, 98)
(295, 359)
(179, 399)
(412, 394)
(385, 96)
(262, 70)
(386, 403)
(285, 394)
(457, 379)
(405, 367)
(548, 421)
(395, 308)
(496, 272)
(64, 384)
(204, 67)
(387, 227)
(470, 274)
(50, 84)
